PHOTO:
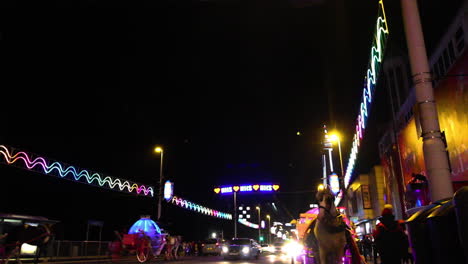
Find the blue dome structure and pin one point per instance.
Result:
(148, 226)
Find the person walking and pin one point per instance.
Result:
(390, 238)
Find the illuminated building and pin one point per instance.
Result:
(400, 147)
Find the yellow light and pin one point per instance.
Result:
(321, 187)
(158, 149)
(334, 137)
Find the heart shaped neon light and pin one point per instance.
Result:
(217, 190)
(235, 188)
(256, 187)
(275, 187)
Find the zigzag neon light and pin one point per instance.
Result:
(376, 56)
(247, 223)
(40, 164)
(198, 208)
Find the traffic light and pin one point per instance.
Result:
(261, 238)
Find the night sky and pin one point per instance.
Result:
(222, 85)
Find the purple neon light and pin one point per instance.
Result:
(39, 164)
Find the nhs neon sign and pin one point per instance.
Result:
(247, 188)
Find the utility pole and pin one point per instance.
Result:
(434, 148)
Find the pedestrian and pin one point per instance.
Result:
(366, 247)
(390, 238)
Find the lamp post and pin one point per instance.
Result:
(160, 150)
(259, 229)
(269, 229)
(336, 138)
(235, 215)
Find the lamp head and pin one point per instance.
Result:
(335, 137)
(158, 149)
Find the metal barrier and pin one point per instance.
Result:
(418, 232)
(443, 235)
(438, 231)
(66, 248)
(460, 200)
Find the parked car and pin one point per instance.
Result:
(211, 247)
(241, 248)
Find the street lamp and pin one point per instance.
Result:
(259, 229)
(160, 150)
(336, 138)
(269, 229)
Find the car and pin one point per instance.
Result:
(267, 248)
(241, 248)
(278, 247)
(211, 247)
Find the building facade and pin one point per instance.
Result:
(400, 147)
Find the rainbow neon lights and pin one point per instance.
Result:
(247, 223)
(376, 55)
(55, 168)
(199, 209)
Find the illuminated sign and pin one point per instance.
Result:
(226, 189)
(247, 188)
(376, 56)
(168, 190)
(334, 183)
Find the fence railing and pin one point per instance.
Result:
(66, 248)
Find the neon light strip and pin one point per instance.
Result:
(198, 208)
(247, 223)
(376, 56)
(40, 165)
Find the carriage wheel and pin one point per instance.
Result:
(143, 251)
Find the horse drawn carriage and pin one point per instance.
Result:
(147, 242)
(326, 235)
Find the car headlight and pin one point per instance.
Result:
(245, 250)
(293, 248)
(225, 249)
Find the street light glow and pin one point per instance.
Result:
(158, 149)
(334, 137)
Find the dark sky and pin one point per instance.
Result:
(223, 85)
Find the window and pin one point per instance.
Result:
(447, 61)
(441, 66)
(400, 83)
(451, 51)
(460, 39)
